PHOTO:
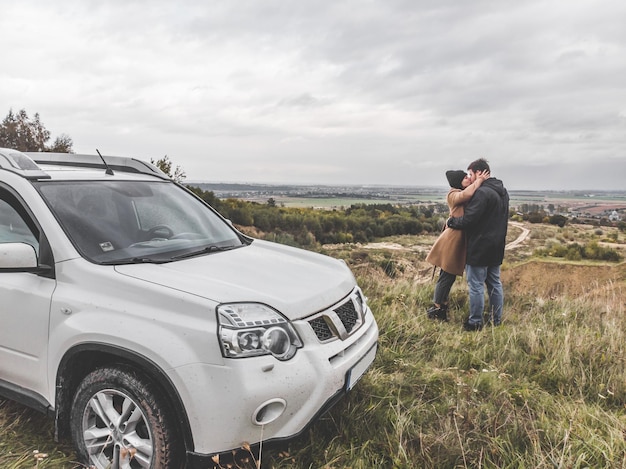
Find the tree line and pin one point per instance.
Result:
(307, 227)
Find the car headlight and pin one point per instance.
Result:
(254, 329)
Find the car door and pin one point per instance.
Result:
(24, 307)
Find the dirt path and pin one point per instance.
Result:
(520, 239)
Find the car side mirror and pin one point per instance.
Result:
(18, 257)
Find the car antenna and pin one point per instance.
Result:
(108, 170)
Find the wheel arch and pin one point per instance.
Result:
(84, 358)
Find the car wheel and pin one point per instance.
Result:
(119, 420)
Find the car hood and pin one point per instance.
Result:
(294, 281)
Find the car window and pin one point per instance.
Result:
(111, 221)
(13, 227)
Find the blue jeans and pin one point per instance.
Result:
(477, 277)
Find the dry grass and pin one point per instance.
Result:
(547, 389)
(26, 440)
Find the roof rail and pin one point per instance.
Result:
(117, 163)
(19, 163)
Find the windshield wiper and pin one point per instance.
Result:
(205, 250)
(136, 260)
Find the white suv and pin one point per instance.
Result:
(152, 331)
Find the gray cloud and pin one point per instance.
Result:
(393, 91)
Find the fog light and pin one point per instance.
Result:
(269, 411)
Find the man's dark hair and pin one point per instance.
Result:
(479, 165)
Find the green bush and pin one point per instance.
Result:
(576, 252)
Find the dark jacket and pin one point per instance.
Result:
(485, 223)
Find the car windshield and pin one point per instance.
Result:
(117, 222)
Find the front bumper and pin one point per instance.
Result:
(262, 398)
(205, 461)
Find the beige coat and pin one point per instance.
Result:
(449, 250)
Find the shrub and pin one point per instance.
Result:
(576, 252)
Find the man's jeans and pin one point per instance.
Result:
(477, 277)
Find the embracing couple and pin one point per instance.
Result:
(473, 240)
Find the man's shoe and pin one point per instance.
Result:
(439, 313)
(467, 326)
(488, 320)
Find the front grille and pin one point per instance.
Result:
(321, 329)
(348, 315)
(340, 321)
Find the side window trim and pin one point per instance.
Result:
(43, 250)
(15, 201)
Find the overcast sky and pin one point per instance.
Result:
(330, 91)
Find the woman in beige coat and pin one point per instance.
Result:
(448, 252)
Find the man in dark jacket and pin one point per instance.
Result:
(485, 223)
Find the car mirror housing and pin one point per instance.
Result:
(18, 257)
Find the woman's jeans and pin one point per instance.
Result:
(477, 277)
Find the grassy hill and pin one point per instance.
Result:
(547, 389)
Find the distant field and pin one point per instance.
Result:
(599, 203)
(329, 197)
(340, 202)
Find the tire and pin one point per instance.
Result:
(120, 420)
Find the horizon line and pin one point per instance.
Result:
(438, 187)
